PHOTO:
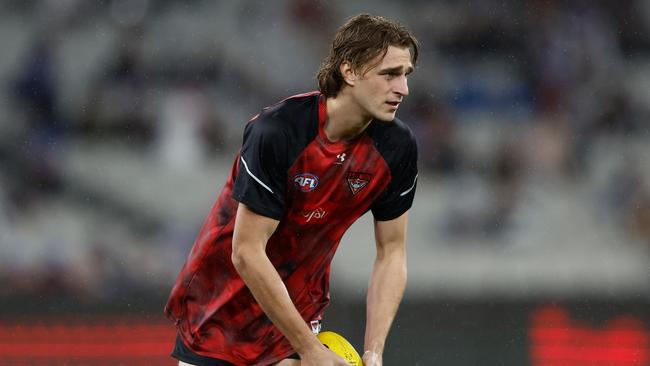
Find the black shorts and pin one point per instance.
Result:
(182, 353)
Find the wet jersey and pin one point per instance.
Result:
(288, 170)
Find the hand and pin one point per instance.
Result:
(371, 358)
(322, 357)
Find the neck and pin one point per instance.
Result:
(345, 118)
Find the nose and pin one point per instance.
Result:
(401, 86)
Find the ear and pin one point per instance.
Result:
(349, 75)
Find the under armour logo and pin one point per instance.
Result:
(340, 158)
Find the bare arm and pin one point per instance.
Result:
(386, 287)
(252, 231)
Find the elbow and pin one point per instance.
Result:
(246, 256)
(392, 253)
(238, 258)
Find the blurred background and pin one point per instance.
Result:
(529, 241)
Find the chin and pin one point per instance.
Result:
(385, 117)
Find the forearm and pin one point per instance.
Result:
(385, 293)
(270, 292)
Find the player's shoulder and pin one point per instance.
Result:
(291, 123)
(290, 111)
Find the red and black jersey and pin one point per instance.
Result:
(288, 170)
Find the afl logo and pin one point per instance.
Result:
(305, 181)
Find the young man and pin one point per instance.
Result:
(256, 282)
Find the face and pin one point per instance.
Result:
(380, 90)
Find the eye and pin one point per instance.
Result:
(392, 75)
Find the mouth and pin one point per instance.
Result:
(393, 104)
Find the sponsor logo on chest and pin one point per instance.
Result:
(318, 213)
(306, 182)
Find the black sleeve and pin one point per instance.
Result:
(261, 179)
(398, 197)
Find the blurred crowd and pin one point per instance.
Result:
(511, 98)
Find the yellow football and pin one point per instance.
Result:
(339, 345)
